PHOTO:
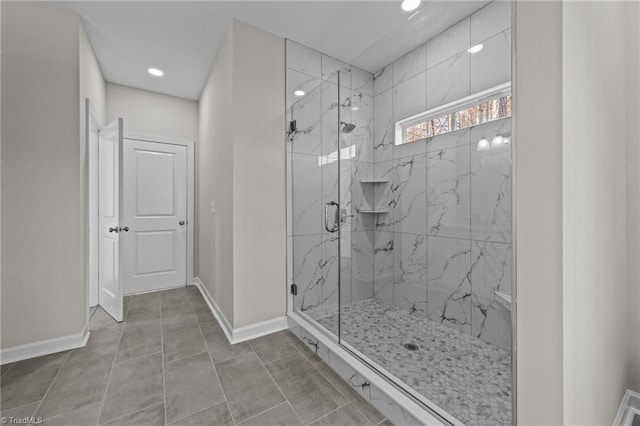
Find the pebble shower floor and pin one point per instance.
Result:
(468, 378)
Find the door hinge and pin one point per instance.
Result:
(294, 289)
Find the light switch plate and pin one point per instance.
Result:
(213, 207)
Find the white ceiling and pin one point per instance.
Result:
(183, 38)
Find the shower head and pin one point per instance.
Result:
(348, 127)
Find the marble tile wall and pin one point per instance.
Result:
(334, 91)
(444, 247)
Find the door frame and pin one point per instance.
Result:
(92, 212)
(190, 145)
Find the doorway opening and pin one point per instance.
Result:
(140, 204)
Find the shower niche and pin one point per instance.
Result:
(402, 252)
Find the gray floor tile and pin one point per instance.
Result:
(144, 308)
(134, 385)
(205, 317)
(248, 387)
(101, 342)
(387, 422)
(181, 337)
(283, 414)
(101, 319)
(308, 353)
(139, 340)
(152, 416)
(272, 347)
(308, 391)
(5, 367)
(27, 381)
(79, 383)
(344, 416)
(20, 412)
(220, 348)
(218, 415)
(196, 298)
(84, 416)
(191, 385)
(350, 393)
(175, 303)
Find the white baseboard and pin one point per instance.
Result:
(44, 347)
(240, 334)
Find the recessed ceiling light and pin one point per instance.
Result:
(409, 5)
(355, 108)
(155, 72)
(299, 93)
(475, 49)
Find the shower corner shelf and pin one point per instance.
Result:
(374, 181)
(374, 211)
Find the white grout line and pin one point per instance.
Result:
(279, 388)
(215, 371)
(115, 356)
(330, 412)
(164, 387)
(267, 410)
(53, 381)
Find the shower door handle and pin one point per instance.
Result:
(336, 219)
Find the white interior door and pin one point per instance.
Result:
(155, 213)
(110, 159)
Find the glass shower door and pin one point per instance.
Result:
(315, 215)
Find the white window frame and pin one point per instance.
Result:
(457, 105)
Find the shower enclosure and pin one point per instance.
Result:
(399, 213)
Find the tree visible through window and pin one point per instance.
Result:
(484, 112)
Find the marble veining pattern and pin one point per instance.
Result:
(468, 378)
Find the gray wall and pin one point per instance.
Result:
(43, 281)
(242, 245)
(152, 113)
(215, 174)
(594, 222)
(538, 91)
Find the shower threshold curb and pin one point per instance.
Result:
(394, 403)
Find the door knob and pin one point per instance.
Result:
(181, 222)
(113, 230)
(125, 229)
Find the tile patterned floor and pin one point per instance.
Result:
(169, 363)
(465, 376)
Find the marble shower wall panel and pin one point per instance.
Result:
(491, 185)
(492, 65)
(465, 202)
(410, 272)
(361, 265)
(448, 81)
(329, 266)
(410, 96)
(362, 117)
(490, 273)
(307, 271)
(306, 195)
(383, 253)
(449, 285)
(448, 193)
(410, 195)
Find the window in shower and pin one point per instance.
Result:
(490, 105)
